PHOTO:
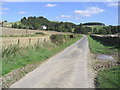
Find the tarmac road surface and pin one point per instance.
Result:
(68, 69)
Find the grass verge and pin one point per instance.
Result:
(16, 57)
(98, 48)
(109, 78)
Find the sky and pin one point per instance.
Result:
(59, 0)
(75, 12)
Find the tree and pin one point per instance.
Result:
(15, 25)
(102, 31)
(5, 21)
(37, 22)
(108, 30)
(69, 29)
(35, 26)
(60, 28)
(24, 21)
(118, 28)
(20, 26)
(76, 30)
(30, 27)
(95, 31)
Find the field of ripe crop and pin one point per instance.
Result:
(23, 41)
(19, 32)
(11, 36)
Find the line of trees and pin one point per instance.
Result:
(104, 30)
(94, 23)
(37, 22)
(82, 30)
(107, 30)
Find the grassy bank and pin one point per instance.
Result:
(15, 57)
(98, 48)
(109, 78)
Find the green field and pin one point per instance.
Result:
(109, 78)
(97, 27)
(15, 57)
(98, 48)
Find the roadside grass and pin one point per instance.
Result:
(98, 48)
(15, 57)
(109, 78)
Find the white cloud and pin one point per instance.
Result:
(51, 5)
(1, 3)
(89, 11)
(64, 16)
(3, 13)
(76, 18)
(113, 4)
(5, 8)
(21, 12)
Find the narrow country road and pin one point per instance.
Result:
(68, 69)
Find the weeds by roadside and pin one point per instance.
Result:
(15, 56)
(107, 71)
(109, 78)
(98, 48)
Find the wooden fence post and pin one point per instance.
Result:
(44, 40)
(68, 37)
(29, 41)
(38, 40)
(18, 41)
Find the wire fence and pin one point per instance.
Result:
(23, 42)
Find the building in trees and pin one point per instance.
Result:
(44, 27)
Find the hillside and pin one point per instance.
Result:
(37, 23)
(9, 24)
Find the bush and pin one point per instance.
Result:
(71, 36)
(107, 41)
(40, 33)
(57, 38)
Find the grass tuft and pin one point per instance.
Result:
(109, 78)
(15, 56)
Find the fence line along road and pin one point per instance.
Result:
(23, 41)
(67, 69)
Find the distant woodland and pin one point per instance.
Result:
(35, 23)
